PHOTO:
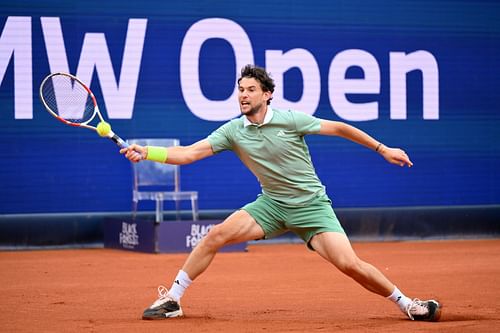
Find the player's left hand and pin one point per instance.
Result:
(396, 156)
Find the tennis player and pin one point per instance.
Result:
(270, 142)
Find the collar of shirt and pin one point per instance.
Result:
(267, 118)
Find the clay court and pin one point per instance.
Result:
(270, 288)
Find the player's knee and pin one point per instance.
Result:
(350, 266)
(215, 238)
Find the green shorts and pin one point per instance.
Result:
(276, 217)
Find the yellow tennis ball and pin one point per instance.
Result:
(103, 128)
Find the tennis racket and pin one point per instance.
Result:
(70, 101)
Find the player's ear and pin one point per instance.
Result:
(268, 95)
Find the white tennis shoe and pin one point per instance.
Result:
(424, 310)
(164, 307)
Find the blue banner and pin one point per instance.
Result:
(421, 75)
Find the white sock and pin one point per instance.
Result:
(181, 282)
(401, 300)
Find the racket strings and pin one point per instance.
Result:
(68, 99)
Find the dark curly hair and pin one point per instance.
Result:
(259, 74)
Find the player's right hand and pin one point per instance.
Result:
(396, 156)
(135, 152)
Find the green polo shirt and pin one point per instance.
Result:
(275, 152)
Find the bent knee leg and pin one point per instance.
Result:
(215, 238)
(350, 266)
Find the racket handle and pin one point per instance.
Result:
(119, 141)
(122, 143)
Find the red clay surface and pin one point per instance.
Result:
(271, 288)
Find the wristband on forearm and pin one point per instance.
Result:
(378, 147)
(157, 154)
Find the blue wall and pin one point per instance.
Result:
(49, 167)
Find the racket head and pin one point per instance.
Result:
(68, 99)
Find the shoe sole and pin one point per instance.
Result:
(167, 315)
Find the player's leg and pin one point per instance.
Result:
(336, 248)
(237, 228)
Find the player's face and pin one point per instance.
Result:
(251, 96)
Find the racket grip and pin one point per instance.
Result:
(122, 143)
(119, 141)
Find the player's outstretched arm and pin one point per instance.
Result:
(392, 155)
(170, 155)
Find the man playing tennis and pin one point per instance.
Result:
(270, 142)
